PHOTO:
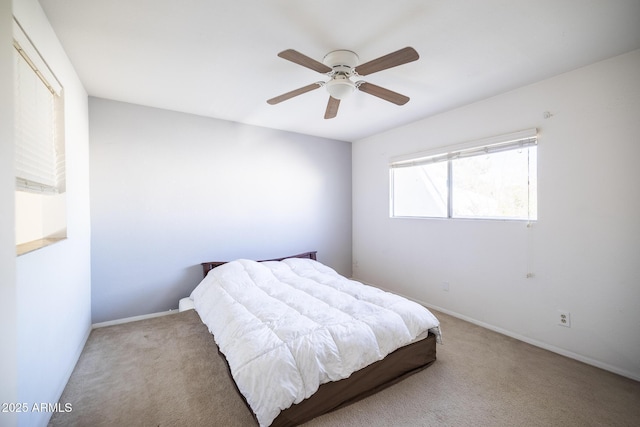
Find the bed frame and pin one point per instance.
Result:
(208, 266)
(398, 365)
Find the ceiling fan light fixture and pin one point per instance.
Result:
(340, 88)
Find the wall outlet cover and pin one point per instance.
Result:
(564, 318)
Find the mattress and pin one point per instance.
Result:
(286, 328)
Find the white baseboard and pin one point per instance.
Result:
(551, 348)
(132, 319)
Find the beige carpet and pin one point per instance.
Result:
(139, 374)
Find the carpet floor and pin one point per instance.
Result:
(141, 374)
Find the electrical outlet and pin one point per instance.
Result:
(564, 318)
(445, 286)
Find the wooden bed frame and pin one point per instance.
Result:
(208, 266)
(396, 366)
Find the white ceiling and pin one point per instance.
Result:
(219, 58)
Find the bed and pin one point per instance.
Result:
(288, 329)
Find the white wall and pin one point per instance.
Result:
(172, 190)
(583, 249)
(53, 284)
(8, 318)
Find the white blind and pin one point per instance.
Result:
(474, 148)
(39, 151)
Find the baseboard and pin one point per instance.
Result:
(132, 319)
(71, 367)
(540, 344)
(551, 348)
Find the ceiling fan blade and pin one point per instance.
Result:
(399, 57)
(332, 108)
(305, 61)
(293, 93)
(386, 94)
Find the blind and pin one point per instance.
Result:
(474, 148)
(39, 151)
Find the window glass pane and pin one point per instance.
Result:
(420, 190)
(495, 185)
(533, 183)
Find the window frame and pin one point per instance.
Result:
(448, 154)
(40, 175)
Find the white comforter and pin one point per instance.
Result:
(287, 327)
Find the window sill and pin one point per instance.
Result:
(34, 245)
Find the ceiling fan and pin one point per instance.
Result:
(340, 66)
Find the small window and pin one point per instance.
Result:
(39, 149)
(489, 179)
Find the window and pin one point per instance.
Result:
(39, 148)
(494, 178)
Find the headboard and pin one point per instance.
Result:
(208, 266)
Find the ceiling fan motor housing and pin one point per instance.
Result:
(342, 63)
